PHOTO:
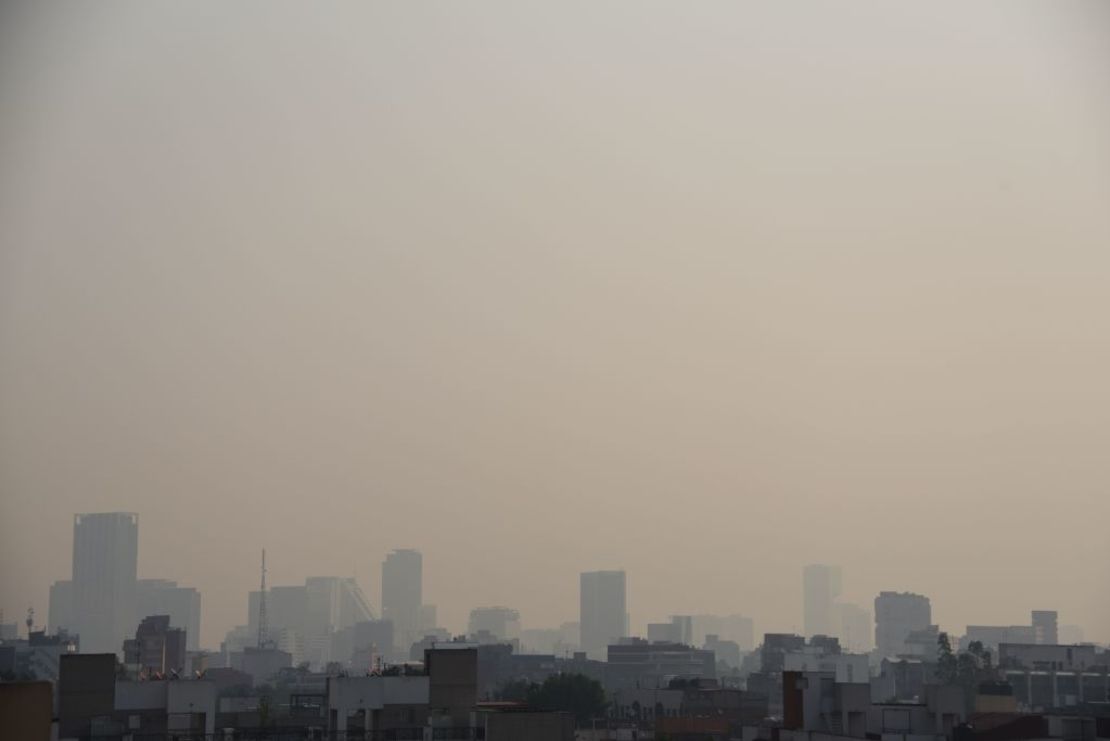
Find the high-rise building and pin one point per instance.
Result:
(164, 597)
(820, 587)
(603, 611)
(105, 565)
(402, 594)
(897, 615)
(1044, 627)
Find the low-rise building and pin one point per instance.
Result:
(634, 662)
(157, 648)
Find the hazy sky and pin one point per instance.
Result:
(705, 291)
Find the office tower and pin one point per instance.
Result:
(61, 608)
(897, 615)
(1044, 627)
(402, 594)
(603, 616)
(105, 564)
(164, 597)
(820, 588)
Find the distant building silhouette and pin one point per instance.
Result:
(105, 565)
(503, 623)
(164, 597)
(158, 648)
(737, 628)
(854, 627)
(403, 595)
(60, 615)
(1045, 630)
(603, 611)
(897, 616)
(821, 586)
(301, 620)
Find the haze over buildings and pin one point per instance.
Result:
(105, 561)
(706, 292)
(603, 610)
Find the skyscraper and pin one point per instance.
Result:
(105, 565)
(402, 594)
(820, 588)
(896, 616)
(603, 611)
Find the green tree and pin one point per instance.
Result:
(515, 690)
(967, 669)
(946, 660)
(574, 693)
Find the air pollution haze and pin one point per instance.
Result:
(705, 292)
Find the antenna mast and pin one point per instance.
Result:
(263, 638)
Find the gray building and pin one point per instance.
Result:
(303, 620)
(60, 616)
(503, 623)
(821, 586)
(897, 615)
(1045, 627)
(403, 594)
(635, 662)
(603, 611)
(105, 564)
(164, 597)
(855, 627)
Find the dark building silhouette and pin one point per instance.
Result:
(157, 648)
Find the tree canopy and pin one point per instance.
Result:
(574, 693)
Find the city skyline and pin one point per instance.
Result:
(676, 290)
(407, 563)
